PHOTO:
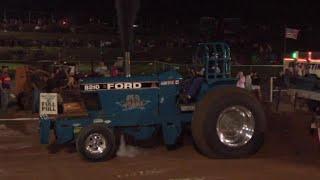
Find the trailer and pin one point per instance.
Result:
(300, 81)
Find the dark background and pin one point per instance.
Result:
(290, 12)
(276, 14)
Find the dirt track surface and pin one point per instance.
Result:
(289, 153)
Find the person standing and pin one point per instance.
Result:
(241, 80)
(256, 84)
(248, 81)
(38, 82)
(102, 70)
(114, 71)
(5, 81)
(35, 79)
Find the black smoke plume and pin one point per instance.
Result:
(126, 12)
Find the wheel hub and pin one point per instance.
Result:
(95, 143)
(235, 126)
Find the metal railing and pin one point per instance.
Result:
(154, 66)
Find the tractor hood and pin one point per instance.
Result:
(125, 82)
(118, 79)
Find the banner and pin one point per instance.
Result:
(48, 104)
(292, 33)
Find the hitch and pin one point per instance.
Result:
(45, 127)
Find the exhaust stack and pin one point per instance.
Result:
(126, 13)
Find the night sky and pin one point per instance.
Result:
(288, 11)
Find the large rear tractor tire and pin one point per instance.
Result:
(96, 143)
(228, 123)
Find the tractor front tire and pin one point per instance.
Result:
(96, 143)
(228, 123)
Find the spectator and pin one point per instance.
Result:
(308, 70)
(5, 81)
(114, 71)
(256, 84)
(38, 82)
(298, 70)
(60, 77)
(290, 70)
(71, 77)
(117, 67)
(241, 80)
(71, 82)
(60, 99)
(51, 83)
(248, 81)
(255, 79)
(35, 79)
(102, 70)
(286, 78)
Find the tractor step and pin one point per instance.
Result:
(187, 107)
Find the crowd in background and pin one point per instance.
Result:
(257, 53)
(250, 45)
(61, 42)
(45, 24)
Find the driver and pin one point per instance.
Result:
(193, 87)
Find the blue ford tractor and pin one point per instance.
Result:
(225, 121)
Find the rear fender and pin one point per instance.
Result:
(206, 88)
